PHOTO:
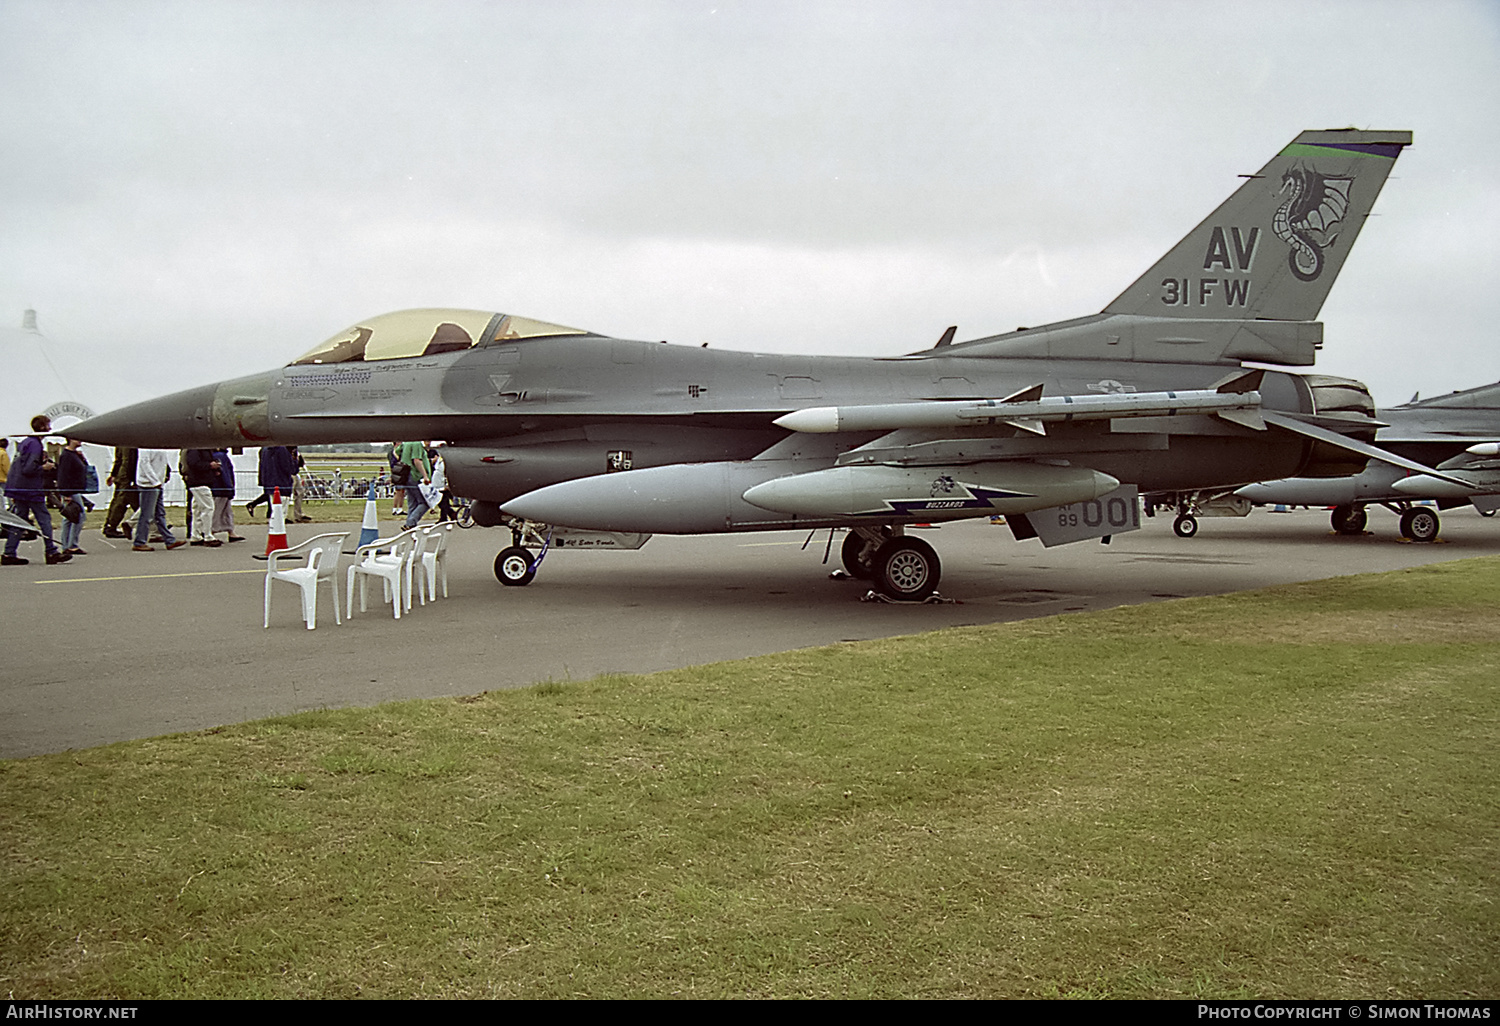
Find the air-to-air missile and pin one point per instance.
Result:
(557, 431)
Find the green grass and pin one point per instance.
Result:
(1290, 793)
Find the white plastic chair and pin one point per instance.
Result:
(434, 558)
(420, 542)
(390, 560)
(322, 554)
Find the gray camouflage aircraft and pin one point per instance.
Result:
(572, 438)
(1458, 433)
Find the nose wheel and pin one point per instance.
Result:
(515, 567)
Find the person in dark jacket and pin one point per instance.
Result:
(224, 497)
(72, 483)
(201, 471)
(25, 487)
(398, 484)
(122, 479)
(277, 469)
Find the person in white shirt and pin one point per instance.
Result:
(152, 469)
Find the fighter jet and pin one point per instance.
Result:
(1458, 433)
(557, 432)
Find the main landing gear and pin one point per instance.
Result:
(1349, 519)
(901, 568)
(1418, 523)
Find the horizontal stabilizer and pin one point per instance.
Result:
(1373, 452)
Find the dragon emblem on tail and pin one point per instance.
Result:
(1309, 220)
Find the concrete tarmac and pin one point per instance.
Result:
(118, 644)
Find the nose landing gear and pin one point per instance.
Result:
(514, 566)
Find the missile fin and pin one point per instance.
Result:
(1245, 418)
(1029, 394)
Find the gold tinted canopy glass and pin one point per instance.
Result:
(409, 333)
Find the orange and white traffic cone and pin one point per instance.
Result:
(276, 532)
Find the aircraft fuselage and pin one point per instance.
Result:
(521, 416)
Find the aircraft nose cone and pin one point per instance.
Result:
(180, 420)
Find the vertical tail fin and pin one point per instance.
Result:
(1274, 248)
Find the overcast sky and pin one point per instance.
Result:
(194, 191)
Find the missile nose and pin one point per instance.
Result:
(816, 419)
(180, 420)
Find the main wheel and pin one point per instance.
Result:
(906, 569)
(513, 567)
(1420, 524)
(1185, 526)
(1349, 519)
(856, 563)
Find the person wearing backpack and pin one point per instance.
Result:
(73, 472)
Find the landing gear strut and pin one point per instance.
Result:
(1349, 519)
(1188, 507)
(516, 566)
(859, 548)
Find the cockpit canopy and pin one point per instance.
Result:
(408, 333)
